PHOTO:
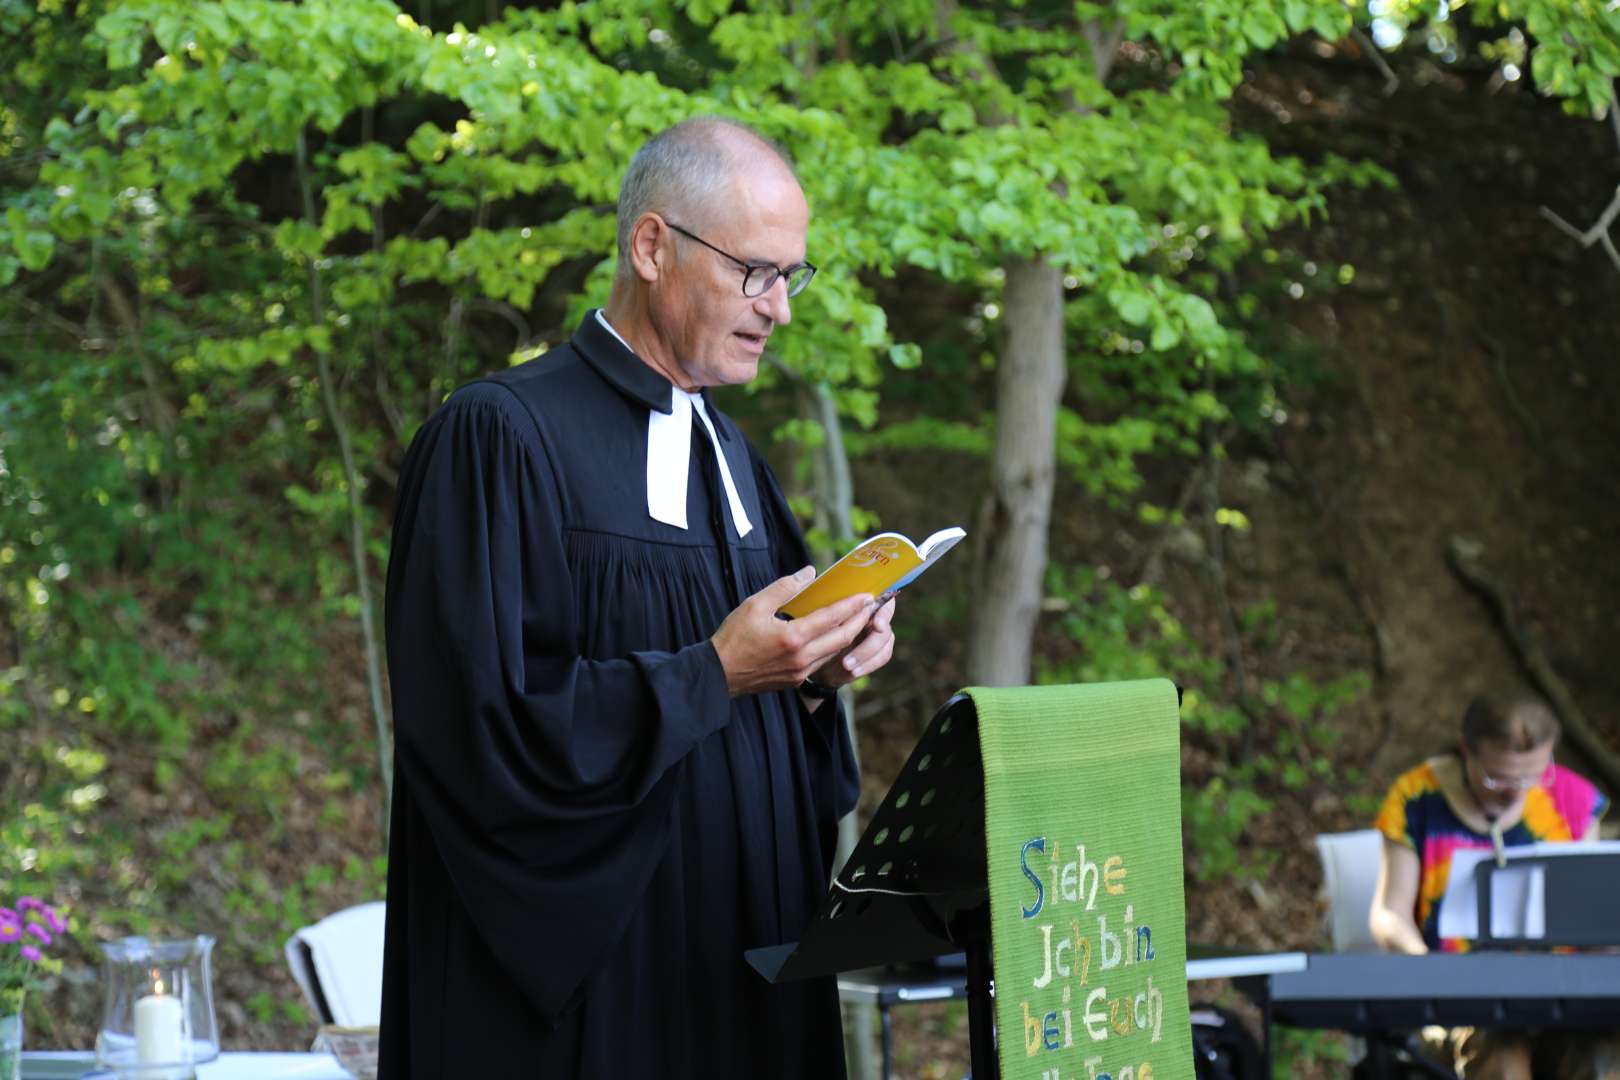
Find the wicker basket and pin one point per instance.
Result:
(354, 1047)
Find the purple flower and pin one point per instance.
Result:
(8, 915)
(40, 932)
(10, 931)
(27, 902)
(30, 953)
(55, 921)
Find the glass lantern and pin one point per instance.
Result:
(159, 1018)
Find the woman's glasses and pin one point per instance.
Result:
(1515, 784)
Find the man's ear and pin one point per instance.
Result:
(647, 248)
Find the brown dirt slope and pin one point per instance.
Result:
(1474, 384)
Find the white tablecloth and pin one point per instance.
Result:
(60, 1065)
(1238, 966)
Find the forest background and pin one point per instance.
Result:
(1264, 344)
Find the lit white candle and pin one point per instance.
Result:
(159, 1027)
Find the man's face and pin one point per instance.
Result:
(1500, 778)
(714, 333)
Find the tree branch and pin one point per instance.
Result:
(512, 315)
(385, 394)
(67, 326)
(1392, 81)
(1608, 245)
(1614, 108)
(894, 42)
(782, 369)
(1215, 570)
(1598, 233)
(1465, 558)
(357, 535)
(456, 320)
(1149, 571)
(433, 211)
(1105, 43)
(1526, 417)
(163, 414)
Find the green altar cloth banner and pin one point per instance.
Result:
(1082, 803)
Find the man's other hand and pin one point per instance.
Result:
(760, 652)
(871, 650)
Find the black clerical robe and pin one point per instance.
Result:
(587, 830)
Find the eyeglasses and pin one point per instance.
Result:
(1514, 784)
(759, 278)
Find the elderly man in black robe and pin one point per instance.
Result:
(617, 769)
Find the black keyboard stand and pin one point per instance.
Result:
(1384, 1058)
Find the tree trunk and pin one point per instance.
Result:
(1030, 373)
(835, 510)
(1012, 531)
(834, 513)
(835, 493)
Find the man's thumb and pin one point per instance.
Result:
(782, 589)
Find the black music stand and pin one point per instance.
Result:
(916, 886)
(1578, 896)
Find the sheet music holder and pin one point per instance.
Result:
(1461, 907)
(1550, 898)
(916, 886)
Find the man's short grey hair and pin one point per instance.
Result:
(684, 171)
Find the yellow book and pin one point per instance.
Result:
(885, 563)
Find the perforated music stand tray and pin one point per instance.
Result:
(916, 886)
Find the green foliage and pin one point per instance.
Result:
(1124, 632)
(1298, 1048)
(263, 911)
(925, 433)
(1570, 50)
(1128, 633)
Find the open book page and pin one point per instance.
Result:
(931, 550)
(877, 565)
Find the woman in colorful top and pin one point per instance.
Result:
(1502, 783)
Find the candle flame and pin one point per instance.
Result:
(157, 985)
